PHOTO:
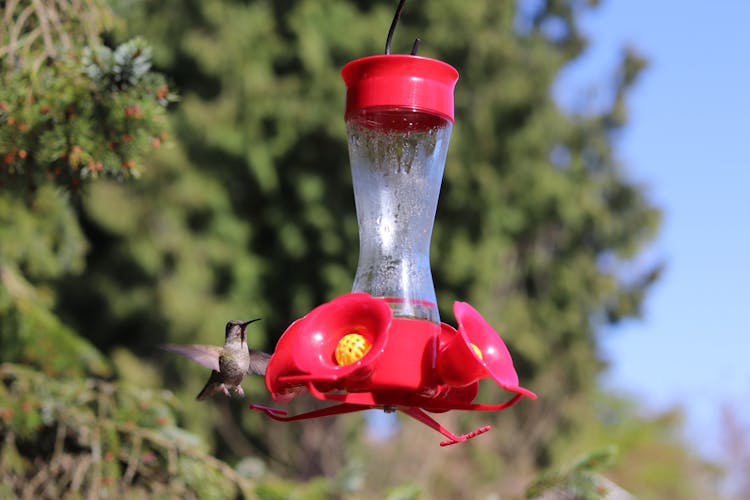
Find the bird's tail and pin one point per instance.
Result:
(211, 388)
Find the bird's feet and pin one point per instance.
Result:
(236, 388)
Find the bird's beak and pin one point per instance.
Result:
(243, 334)
(244, 325)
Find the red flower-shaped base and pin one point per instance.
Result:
(410, 365)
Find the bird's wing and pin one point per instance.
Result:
(258, 362)
(204, 355)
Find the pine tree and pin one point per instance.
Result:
(67, 103)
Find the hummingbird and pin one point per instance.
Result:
(228, 364)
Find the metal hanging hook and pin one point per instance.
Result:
(396, 17)
(415, 47)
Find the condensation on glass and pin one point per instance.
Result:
(397, 158)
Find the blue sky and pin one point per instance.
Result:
(688, 143)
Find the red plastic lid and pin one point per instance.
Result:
(398, 80)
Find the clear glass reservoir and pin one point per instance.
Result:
(397, 158)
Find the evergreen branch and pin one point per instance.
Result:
(80, 416)
(167, 443)
(15, 32)
(43, 15)
(132, 460)
(51, 21)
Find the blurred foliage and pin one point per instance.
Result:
(650, 448)
(579, 481)
(249, 212)
(98, 440)
(735, 437)
(33, 335)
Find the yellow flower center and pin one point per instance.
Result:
(351, 348)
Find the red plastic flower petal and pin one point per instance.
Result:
(392, 363)
(483, 353)
(305, 352)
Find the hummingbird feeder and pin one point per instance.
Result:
(383, 345)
